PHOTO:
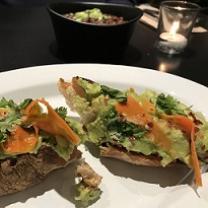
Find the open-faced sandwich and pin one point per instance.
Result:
(149, 129)
(35, 139)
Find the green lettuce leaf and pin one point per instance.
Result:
(170, 105)
(77, 127)
(60, 145)
(10, 120)
(86, 195)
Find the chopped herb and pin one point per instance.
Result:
(25, 103)
(169, 105)
(8, 124)
(114, 93)
(8, 104)
(125, 128)
(62, 111)
(3, 136)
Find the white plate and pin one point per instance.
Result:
(123, 185)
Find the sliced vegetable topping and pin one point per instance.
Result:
(137, 113)
(195, 160)
(20, 141)
(50, 122)
(133, 111)
(188, 126)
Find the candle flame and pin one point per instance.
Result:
(174, 28)
(162, 67)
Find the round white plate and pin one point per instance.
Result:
(123, 185)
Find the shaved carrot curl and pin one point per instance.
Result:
(188, 126)
(140, 113)
(50, 122)
(20, 141)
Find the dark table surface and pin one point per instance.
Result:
(27, 39)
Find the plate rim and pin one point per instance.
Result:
(128, 76)
(143, 69)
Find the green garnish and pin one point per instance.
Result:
(114, 93)
(25, 103)
(86, 195)
(62, 111)
(10, 119)
(169, 105)
(4, 103)
(89, 14)
(125, 128)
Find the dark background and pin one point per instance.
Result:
(27, 39)
(42, 2)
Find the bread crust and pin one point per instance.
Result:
(17, 174)
(130, 157)
(62, 86)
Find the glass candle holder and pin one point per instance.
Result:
(176, 21)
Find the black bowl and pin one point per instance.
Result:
(87, 42)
